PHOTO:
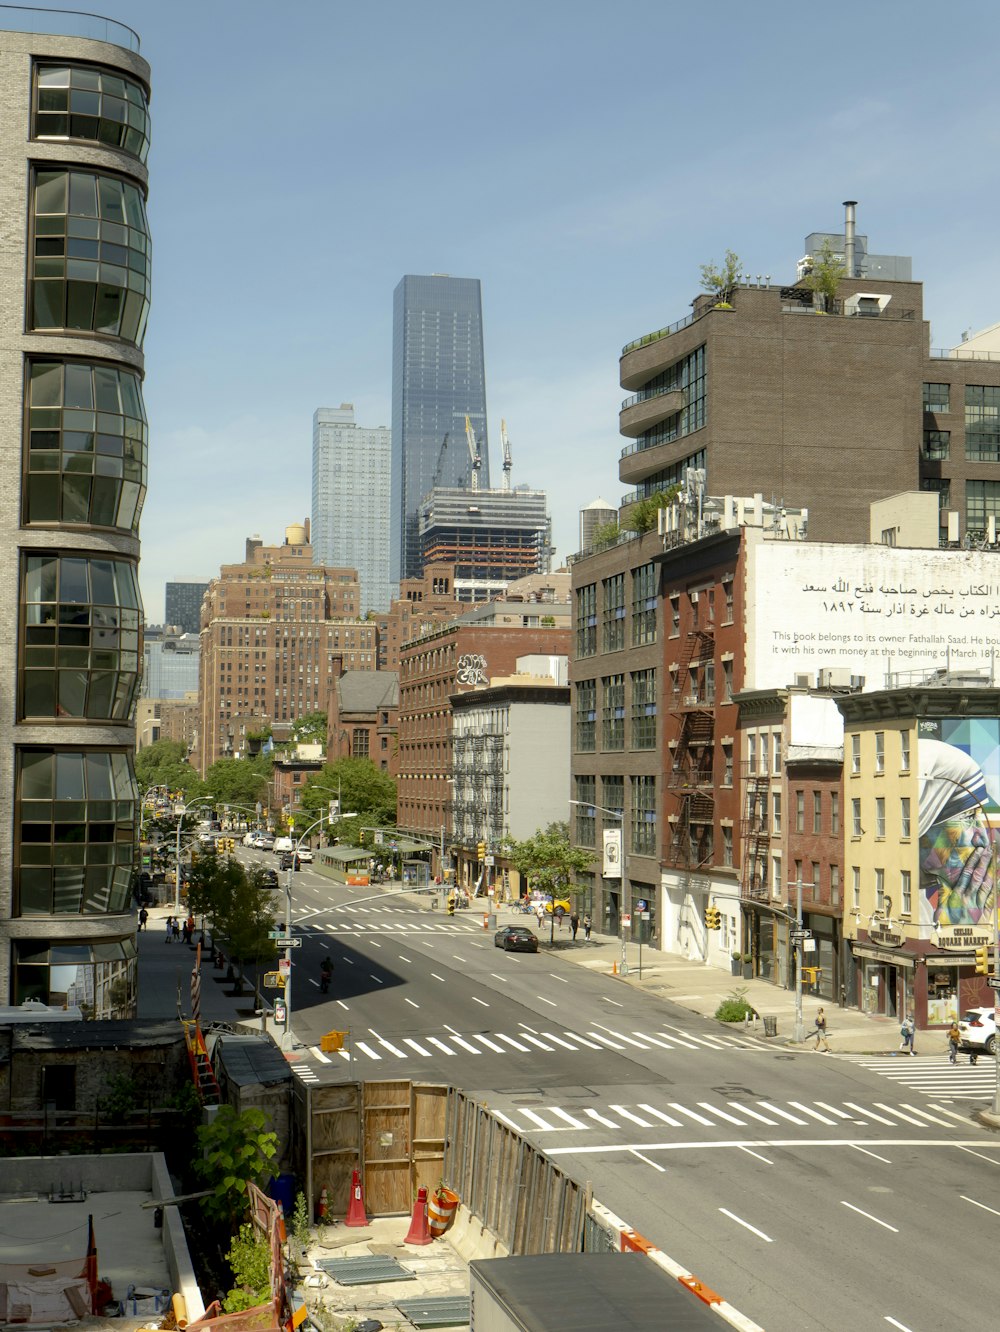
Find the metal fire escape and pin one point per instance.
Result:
(756, 836)
(691, 779)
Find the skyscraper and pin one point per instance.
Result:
(438, 378)
(74, 272)
(183, 605)
(350, 500)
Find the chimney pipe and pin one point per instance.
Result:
(849, 218)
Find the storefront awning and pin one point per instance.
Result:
(894, 956)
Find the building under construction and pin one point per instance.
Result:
(491, 537)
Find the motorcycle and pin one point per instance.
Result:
(325, 974)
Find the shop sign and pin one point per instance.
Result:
(963, 938)
(885, 937)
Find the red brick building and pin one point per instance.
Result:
(363, 718)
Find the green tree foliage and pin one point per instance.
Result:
(164, 763)
(825, 276)
(249, 1258)
(310, 729)
(641, 516)
(236, 904)
(722, 281)
(365, 790)
(735, 1007)
(549, 861)
(605, 534)
(232, 1151)
(239, 781)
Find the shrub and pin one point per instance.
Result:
(734, 1008)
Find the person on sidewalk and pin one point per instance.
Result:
(954, 1041)
(587, 927)
(574, 924)
(143, 917)
(908, 1032)
(821, 1041)
(170, 930)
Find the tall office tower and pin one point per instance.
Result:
(350, 499)
(278, 632)
(74, 278)
(491, 537)
(438, 379)
(183, 605)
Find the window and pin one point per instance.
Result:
(855, 753)
(777, 753)
(727, 591)
(982, 423)
(880, 816)
(81, 638)
(644, 598)
(101, 977)
(776, 812)
(74, 827)
(815, 880)
(688, 375)
(675, 615)
(359, 742)
(937, 445)
(856, 887)
(613, 794)
(85, 455)
(101, 106)
(776, 885)
(942, 488)
(586, 620)
(835, 813)
(880, 890)
(817, 812)
(727, 765)
(752, 754)
(905, 893)
(90, 264)
(904, 751)
(727, 845)
(586, 716)
(644, 709)
(586, 814)
(880, 751)
(613, 733)
(982, 501)
(856, 818)
(727, 682)
(643, 820)
(613, 613)
(936, 398)
(835, 885)
(800, 811)
(904, 816)
(765, 751)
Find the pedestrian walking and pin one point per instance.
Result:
(954, 1041)
(143, 917)
(170, 930)
(189, 927)
(574, 924)
(175, 930)
(186, 933)
(908, 1032)
(540, 913)
(586, 928)
(821, 1041)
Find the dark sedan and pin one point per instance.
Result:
(516, 939)
(270, 878)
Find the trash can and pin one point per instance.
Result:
(770, 1026)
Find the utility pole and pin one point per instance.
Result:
(799, 1035)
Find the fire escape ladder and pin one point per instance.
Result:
(756, 837)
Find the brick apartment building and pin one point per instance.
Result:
(277, 630)
(422, 602)
(447, 661)
(363, 718)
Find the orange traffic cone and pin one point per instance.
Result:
(418, 1232)
(321, 1210)
(356, 1207)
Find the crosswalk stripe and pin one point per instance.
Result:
(535, 1041)
(516, 1044)
(658, 1114)
(627, 1114)
(814, 1113)
(723, 1114)
(563, 1114)
(679, 1040)
(583, 1040)
(629, 1040)
(869, 1114)
(654, 1040)
(433, 1040)
(604, 1040)
(472, 1049)
(834, 1110)
(608, 1123)
(748, 1110)
(400, 1054)
(693, 1114)
(933, 1118)
(498, 1049)
(776, 1110)
(318, 1055)
(416, 1046)
(366, 1049)
(538, 1120)
(549, 1036)
(900, 1114)
(962, 1119)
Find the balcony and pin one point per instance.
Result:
(636, 464)
(643, 411)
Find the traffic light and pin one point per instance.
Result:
(983, 961)
(713, 918)
(480, 850)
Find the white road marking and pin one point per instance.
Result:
(574, 1036)
(559, 1041)
(722, 1114)
(505, 979)
(868, 1215)
(375, 978)
(746, 1110)
(992, 1160)
(893, 1110)
(348, 960)
(783, 1114)
(388, 1045)
(740, 1222)
(366, 1049)
(750, 1152)
(655, 1040)
(317, 1053)
(902, 1326)
(627, 1114)
(411, 1002)
(476, 1000)
(437, 977)
(374, 944)
(605, 1041)
(342, 1004)
(516, 1044)
(834, 1110)
(415, 1045)
(535, 1041)
(541, 1123)
(933, 1118)
(478, 1036)
(962, 1119)
(509, 1122)
(550, 1003)
(658, 1114)
(979, 1204)
(562, 979)
(563, 1114)
(868, 1153)
(402, 958)
(594, 1114)
(433, 1040)
(458, 957)
(814, 1113)
(692, 1114)
(612, 1001)
(459, 1040)
(646, 1161)
(870, 1114)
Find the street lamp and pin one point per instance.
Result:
(953, 781)
(286, 1037)
(618, 814)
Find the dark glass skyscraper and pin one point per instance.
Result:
(438, 378)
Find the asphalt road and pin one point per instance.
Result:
(811, 1192)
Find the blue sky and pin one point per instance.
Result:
(583, 160)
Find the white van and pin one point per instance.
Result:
(283, 844)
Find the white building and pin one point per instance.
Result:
(350, 500)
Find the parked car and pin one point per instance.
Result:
(265, 842)
(978, 1030)
(516, 939)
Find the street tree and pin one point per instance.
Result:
(365, 790)
(310, 729)
(164, 763)
(548, 861)
(239, 781)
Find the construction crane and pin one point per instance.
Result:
(474, 453)
(440, 462)
(505, 445)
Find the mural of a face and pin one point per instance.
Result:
(956, 868)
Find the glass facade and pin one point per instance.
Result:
(688, 376)
(81, 629)
(438, 378)
(97, 976)
(90, 254)
(74, 832)
(96, 105)
(85, 461)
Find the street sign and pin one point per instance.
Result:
(626, 921)
(993, 982)
(644, 915)
(489, 861)
(273, 980)
(285, 966)
(282, 941)
(641, 906)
